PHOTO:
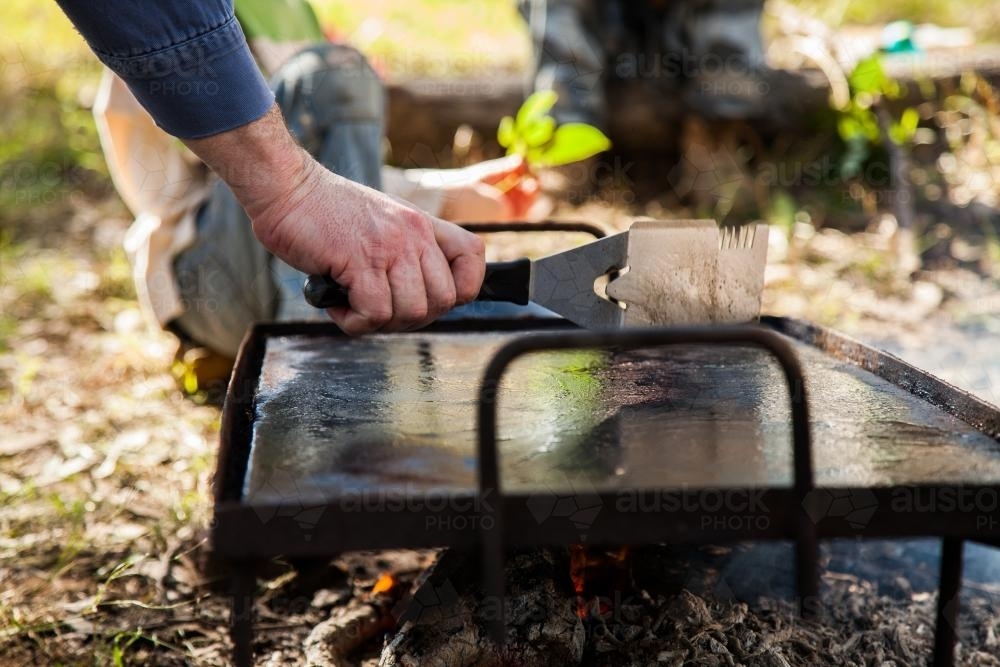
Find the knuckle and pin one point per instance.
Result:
(444, 300)
(416, 314)
(421, 225)
(466, 291)
(380, 253)
(379, 318)
(477, 246)
(396, 235)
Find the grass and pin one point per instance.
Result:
(103, 467)
(432, 37)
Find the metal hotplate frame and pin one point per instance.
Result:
(490, 520)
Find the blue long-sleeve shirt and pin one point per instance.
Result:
(186, 61)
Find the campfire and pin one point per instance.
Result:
(599, 577)
(647, 605)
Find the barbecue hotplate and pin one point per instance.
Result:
(332, 443)
(397, 414)
(502, 433)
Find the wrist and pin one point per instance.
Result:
(259, 161)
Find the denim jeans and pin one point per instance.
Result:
(333, 103)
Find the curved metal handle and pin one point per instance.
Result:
(491, 532)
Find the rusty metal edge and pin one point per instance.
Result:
(237, 416)
(959, 403)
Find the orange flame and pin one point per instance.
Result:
(578, 574)
(386, 582)
(592, 571)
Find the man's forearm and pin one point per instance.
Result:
(260, 161)
(402, 268)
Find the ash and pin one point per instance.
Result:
(703, 606)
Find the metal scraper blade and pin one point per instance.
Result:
(565, 282)
(691, 272)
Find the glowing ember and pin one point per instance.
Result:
(597, 576)
(386, 582)
(578, 573)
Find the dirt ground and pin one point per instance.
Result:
(106, 467)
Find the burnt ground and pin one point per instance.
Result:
(105, 467)
(656, 605)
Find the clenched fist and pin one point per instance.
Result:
(402, 268)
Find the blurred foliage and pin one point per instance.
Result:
(50, 145)
(431, 37)
(50, 148)
(48, 79)
(858, 124)
(534, 135)
(980, 15)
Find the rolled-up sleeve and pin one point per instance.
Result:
(186, 61)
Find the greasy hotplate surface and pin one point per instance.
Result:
(397, 414)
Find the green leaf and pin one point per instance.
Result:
(279, 21)
(534, 157)
(536, 106)
(849, 127)
(908, 122)
(902, 132)
(505, 132)
(858, 123)
(540, 132)
(868, 76)
(573, 142)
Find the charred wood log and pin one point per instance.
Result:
(445, 622)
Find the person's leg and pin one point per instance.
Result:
(570, 57)
(224, 278)
(333, 104)
(718, 43)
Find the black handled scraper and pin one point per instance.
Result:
(658, 272)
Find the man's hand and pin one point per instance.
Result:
(402, 268)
